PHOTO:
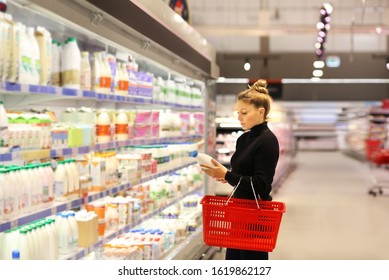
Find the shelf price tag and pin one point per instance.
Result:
(14, 87)
(69, 92)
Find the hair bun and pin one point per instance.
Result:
(260, 86)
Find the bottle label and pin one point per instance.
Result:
(121, 128)
(4, 136)
(58, 188)
(123, 85)
(105, 82)
(103, 130)
(55, 79)
(9, 206)
(45, 193)
(86, 80)
(71, 77)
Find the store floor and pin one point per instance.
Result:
(329, 213)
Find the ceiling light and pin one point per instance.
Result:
(322, 34)
(328, 7)
(378, 29)
(319, 53)
(318, 64)
(317, 73)
(247, 65)
(387, 65)
(320, 25)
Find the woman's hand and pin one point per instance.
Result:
(217, 170)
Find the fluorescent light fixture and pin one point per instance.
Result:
(387, 65)
(337, 81)
(315, 79)
(378, 29)
(223, 80)
(230, 125)
(318, 64)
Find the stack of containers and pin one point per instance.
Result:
(35, 241)
(142, 124)
(155, 124)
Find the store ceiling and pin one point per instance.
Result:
(235, 26)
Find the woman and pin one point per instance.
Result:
(255, 157)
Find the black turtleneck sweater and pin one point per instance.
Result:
(256, 156)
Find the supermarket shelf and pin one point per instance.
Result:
(379, 111)
(57, 152)
(57, 207)
(186, 246)
(108, 237)
(52, 92)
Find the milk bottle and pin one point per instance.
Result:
(96, 72)
(69, 175)
(123, 79)
(103, 127)
(71, 64)
(61, 184)
(121, 126)
(9, 198)
(203, 158)
(65, 238)
(27, 184)
(4, 134)
(35, 56)
(23, 245)
(43, 38)
(37, 186)
(74, 227)
(55, 63)
(86, 73)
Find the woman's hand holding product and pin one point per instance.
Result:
(216, 171)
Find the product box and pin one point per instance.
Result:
(83, 166)
(87, 230)
(98, 174)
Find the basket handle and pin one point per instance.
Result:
(237, 185)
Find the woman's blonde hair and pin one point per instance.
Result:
(258, 95)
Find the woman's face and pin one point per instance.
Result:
(248, 115)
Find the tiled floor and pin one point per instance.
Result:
(329, 213)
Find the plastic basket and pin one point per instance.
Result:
(240, 224)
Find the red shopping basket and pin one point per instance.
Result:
(238, 223)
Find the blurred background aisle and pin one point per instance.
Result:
(329, 213)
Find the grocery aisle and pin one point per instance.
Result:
(329, 213)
